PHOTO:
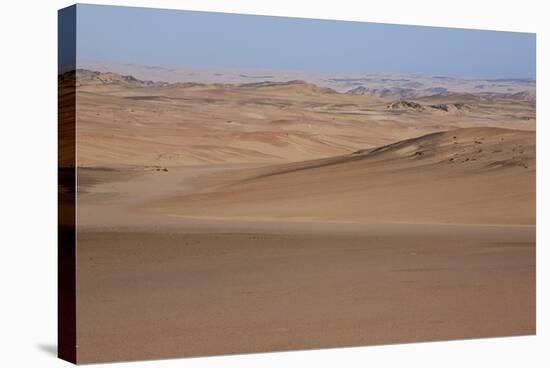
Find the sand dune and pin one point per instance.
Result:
(124, 121)
(477, 176)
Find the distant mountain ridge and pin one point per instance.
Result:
(402, 84)
(411, 94)
(91, 77)
(85, 76)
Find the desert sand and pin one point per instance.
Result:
(146, 295)
(219, 218)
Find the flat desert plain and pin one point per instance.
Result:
(221, 218)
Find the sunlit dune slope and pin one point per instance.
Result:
(473, 175)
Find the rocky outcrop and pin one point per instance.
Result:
(90, 77)
(451, 107)
(403, 105)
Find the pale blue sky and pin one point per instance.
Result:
(185, 38)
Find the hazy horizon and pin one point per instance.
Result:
(179, 67)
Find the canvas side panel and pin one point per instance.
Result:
(66, 318)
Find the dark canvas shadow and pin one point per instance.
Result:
(50, 349)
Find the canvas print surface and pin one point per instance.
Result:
(237, 183)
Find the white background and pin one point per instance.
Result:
(28, 154)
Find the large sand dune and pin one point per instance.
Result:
(476, 176)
